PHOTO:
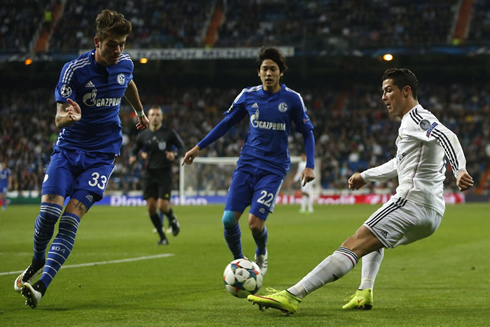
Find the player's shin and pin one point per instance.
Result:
(370, 268)
(61, 247)
(329, 270)
(44, 228)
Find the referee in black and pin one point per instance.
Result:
(158, 143)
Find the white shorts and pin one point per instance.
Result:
(307, 188)
(400, 222)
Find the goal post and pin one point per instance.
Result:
(211, 176)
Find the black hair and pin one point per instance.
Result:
(274, 55)
(402, 77)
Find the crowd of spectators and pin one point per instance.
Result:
(479, 31)
(351, 136)
(320, 24)
(312, 24)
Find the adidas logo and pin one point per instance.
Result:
(255, 105)
(90, 197)
(90, 84)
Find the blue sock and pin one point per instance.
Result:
(44, 228)
(261, 241)
(61, 247)
(161, 215)
(233, 237)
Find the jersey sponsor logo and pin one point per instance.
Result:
(255, 106)
(255, 122)
(431, 128)
(424, 124)
(283, 107)
(65, 91)
(90, 100)
(121, 78)
(89, 84)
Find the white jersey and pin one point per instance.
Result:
(422, 144)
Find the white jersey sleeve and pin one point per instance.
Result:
(301, 167)
(380, 173)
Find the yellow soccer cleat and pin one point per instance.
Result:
(363, 300)
(283, 300)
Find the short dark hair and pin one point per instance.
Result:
(109, 22)
(274, 55)
(402, 77)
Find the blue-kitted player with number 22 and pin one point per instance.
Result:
(264, 158)
(88, 97)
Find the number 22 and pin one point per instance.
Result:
(269, 197)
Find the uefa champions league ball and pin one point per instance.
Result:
(242, 277)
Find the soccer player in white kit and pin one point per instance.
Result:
(306, 196)
(413, 213)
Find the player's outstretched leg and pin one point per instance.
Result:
(34, 269)
(283, 300)
(363, 300)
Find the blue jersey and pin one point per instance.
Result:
(4, 179)
(98, 90)
(270, 115)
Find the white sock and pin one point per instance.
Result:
(304, 199)
(329, 270)
(310, 203)
(370, 268)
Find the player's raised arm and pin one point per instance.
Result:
(67, 113)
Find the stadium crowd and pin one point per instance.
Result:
(351, 135)
(312, 24)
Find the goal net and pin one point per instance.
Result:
(211, 177)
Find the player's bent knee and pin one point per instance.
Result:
(228, 219)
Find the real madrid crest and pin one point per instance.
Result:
(283, 107)
(121, 78)
(424, 124)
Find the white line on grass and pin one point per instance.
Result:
(90, 264)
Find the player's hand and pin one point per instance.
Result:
(170, 155)
(464, 180)
(307, 176)
(73, 111)
(143, 122)
(356, 182)
(190, 155)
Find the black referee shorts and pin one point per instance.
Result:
(157, 183)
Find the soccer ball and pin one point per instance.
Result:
(242, 277)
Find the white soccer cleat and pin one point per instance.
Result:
(32, 296)
(27, 277)
(261, 261)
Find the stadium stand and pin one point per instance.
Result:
(351, 126)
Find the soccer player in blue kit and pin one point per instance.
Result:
(88, 96)
(264, 158)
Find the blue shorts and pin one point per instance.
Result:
(253, 187)
(70, 171)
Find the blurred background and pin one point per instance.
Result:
(193, 58)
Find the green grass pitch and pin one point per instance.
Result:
(443, 280)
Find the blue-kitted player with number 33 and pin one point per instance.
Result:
(88, 97)
(264, 158)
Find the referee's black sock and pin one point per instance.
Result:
(170, 215)
(155, 219)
